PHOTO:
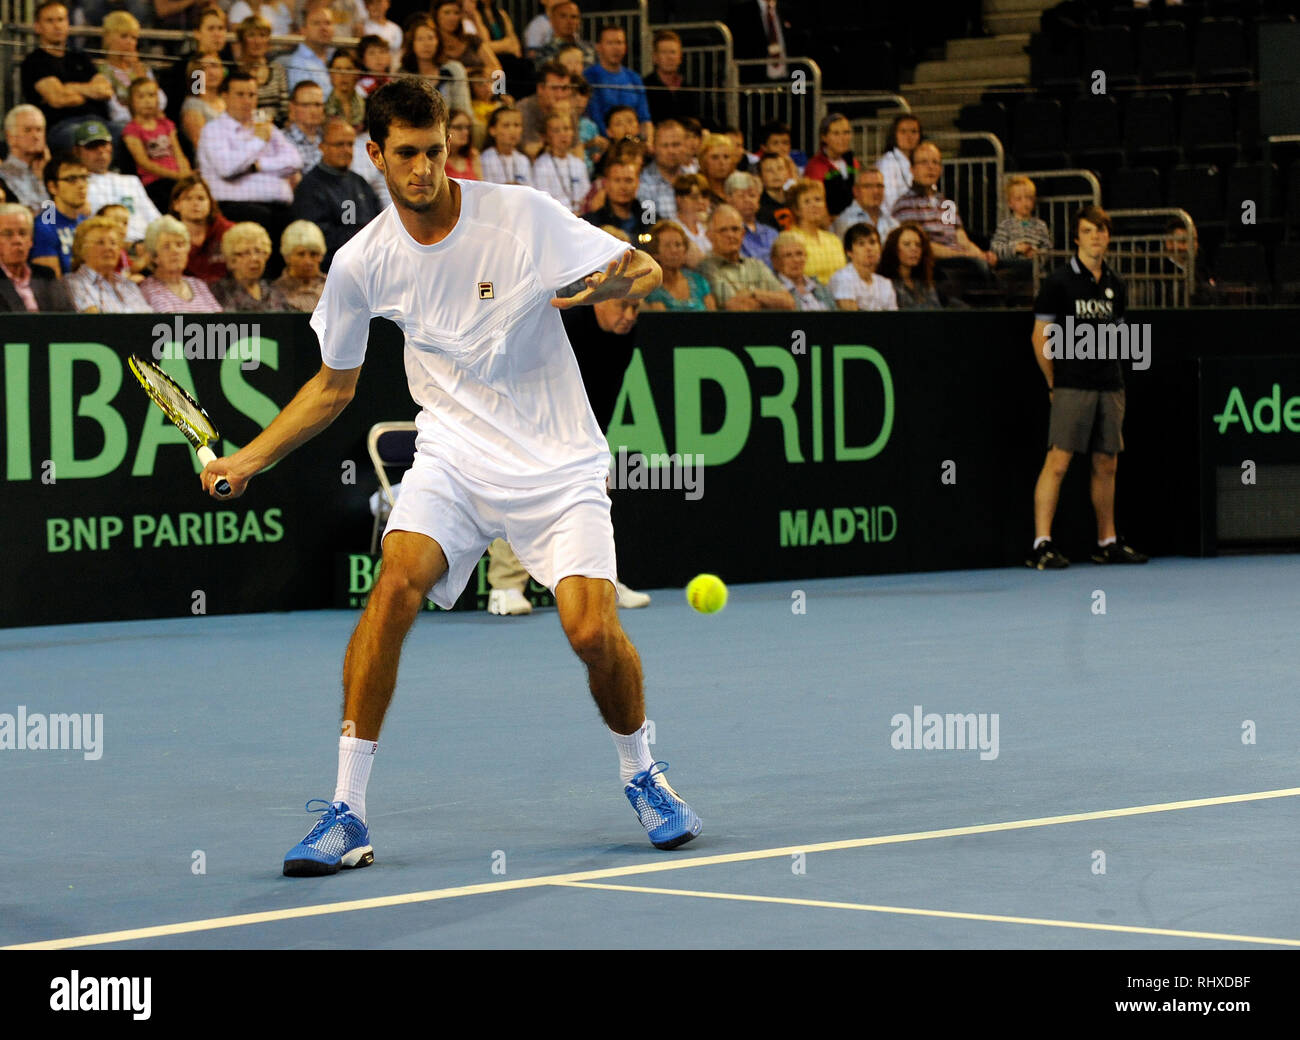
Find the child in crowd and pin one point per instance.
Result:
(856, 286)
(376, 62)
(377, 24)
(1022, 234)
(151, 139)
(555, 171)
(503, 162)
(694, 131)
(131, 264)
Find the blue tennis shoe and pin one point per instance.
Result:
(668, 820)
(340, 840)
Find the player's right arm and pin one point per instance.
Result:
(313, 408)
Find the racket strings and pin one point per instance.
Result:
(178, 405)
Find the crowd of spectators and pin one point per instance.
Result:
(162, 180)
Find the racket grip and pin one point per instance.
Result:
(207, 455)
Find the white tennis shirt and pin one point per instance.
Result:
(487, 358)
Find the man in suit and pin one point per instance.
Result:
(25, 287)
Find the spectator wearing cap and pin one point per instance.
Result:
(308, 60)
(303, 247)
(66, 180)
(789, 259)
(24, 286)
(95, 149)
(835, 165)
(739, 283)
(742, 191)
(614, 84)
(63, 84)
(868, 206)
(251, 166)
(331, 196)
(22, 169)
(98, 286)
(169, 290)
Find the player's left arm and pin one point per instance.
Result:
(633, 276)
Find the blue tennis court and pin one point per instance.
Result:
(1126, 779)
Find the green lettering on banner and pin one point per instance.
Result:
(57, 537)
(361, 574)
(158, 429)
(642, 432)
(781, 405)
(18, 418)
(844, 525)
(95, 405)
(691, 367)
(1291, 414)
(274, 529)
(242, 397)
(859, 453)
(1274, 403)
(1234, 410)
(821, 530)
(819, 451)
(794, 527)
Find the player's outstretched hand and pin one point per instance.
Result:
(611, 284)
(214, 471)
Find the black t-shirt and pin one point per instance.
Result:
(682, 103)
(1070, 299)
(602, 358)
(632, 225)
(73, 67)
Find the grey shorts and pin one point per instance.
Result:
(1087, 421)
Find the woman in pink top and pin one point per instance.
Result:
(169, 290)
(151, 139)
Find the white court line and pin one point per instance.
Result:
(915, 912)
(407, 898)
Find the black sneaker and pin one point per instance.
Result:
(1118, 552)
(1046, 558)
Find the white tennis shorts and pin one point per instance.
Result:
(557, 531)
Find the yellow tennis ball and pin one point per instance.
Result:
(706, 593)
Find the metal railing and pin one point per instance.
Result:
(1157, 275)
(796, 100)
(974, 182)
(869, 131)
(1060, 194)
(636, 25)
(706, 65)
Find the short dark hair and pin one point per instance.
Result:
(857, 232)
(50, 175)
(1092, 214)
(552, 69)
(301, 85)
(610, 27)
(236, 76)
(774, 127)
(620, 108)
(891, 139)
(407, 99)
(36, 15)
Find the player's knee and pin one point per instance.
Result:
(1104, 465)
(399, 590)
(593, 639)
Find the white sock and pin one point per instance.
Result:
(633, 752)
(1040, 541)
(1103, 542)
(355, 759)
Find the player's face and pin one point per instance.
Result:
(413, 163)
(15, 240)
(866, 254)
(1092, 240)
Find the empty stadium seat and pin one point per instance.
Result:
(1094, 139)
(1197, 188)
(1039, 138)
(1110, 48)
(1221, 55)
(1252, 183)
(1166, 55)
(1133, 187)
(1149, 131)
(1208, 131)
(986, 117)
(1241, 270)
(1286, 272)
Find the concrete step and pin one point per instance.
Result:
(1012, 22)
(1009, 44)
(1006, 6)
(1005, 67)
(936, 118)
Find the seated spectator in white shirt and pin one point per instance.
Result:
(98, 286)
(856, 286)
(95, 149)
(538, 32)
(251, 167)
(691, 193)
(368, 171)
(24, 286)
(377, 24)
(868, 205)
(502, 161)
(560, 174)
(308, 60)
(896, 163)
(789, 258)
(25, 134)
(276, 14)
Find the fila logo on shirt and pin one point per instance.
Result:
(485, 291)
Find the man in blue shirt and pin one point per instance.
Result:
(613, 83)
(67, 180)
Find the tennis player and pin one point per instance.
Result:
(507, 445)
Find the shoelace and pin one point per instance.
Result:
(655, 795)
(325, 822)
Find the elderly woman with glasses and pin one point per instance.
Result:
(303, 247)
(247, 248)
(97, 286)
(169, 290)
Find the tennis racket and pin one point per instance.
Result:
(181, 409)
